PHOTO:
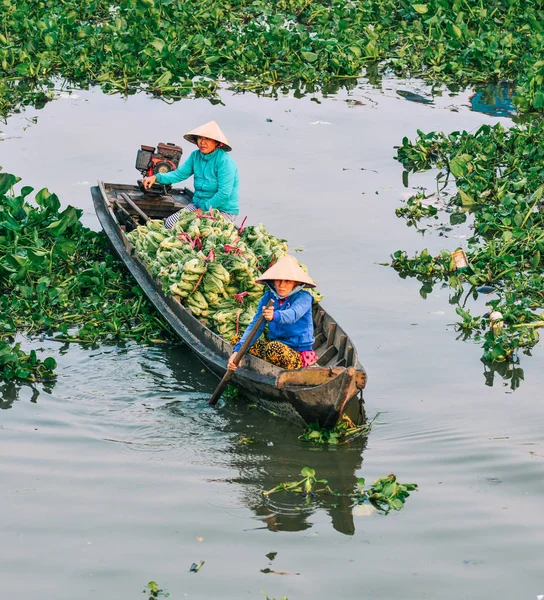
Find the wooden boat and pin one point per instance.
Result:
(318, 394)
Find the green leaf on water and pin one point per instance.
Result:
(50, 363)
(420, 8)
(457, 218)
(466, 200)
(309, 56)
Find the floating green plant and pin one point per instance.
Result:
(59, 279)
(344, 432)
(306, 486)
(154, 591)
(177, 49)
(500, 195)
(385, 493)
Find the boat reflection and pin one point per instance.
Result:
(263, 467)
(265, 451)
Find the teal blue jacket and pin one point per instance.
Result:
(215, 180)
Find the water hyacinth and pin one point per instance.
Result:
(58, 278)
(178, 49)
(498, 185)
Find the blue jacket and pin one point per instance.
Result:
(215, 180)
(292, 324)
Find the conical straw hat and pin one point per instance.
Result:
(210, 130)
(287, 268)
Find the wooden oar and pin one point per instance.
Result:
(238, 357)
(133, 204)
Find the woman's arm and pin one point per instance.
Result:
(298, 309)
(262, 304)
(226, 177)
(180, 174)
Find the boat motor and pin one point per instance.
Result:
(162, 159)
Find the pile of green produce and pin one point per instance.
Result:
(211, 266)
(498, 175)
(176, 49)
(58, 277)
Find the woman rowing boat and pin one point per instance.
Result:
(289, 341)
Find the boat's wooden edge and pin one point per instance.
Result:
(314, 376)
(113, 232)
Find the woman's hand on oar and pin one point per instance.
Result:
(235, 359)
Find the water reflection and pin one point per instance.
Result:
(276, 456)
(188, 370)
(494, 99)
(11, 391)
(413, 97)
(510, 373)
(262, 467)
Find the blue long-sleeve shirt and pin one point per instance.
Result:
(215, 180)
(292, 323)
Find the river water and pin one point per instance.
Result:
(119, 473)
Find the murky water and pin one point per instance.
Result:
(120, 474)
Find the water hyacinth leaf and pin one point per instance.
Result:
(158, 45)
(372, 51)
(355, 50)
(396, 503)
(538, 100)
(309, 56)
(9, 223)
(466, 200)
(47, 200)
(164, 79)
(36, 256)
(389, 489)
(454, 30)
(42, 196)
(6, 182)
(26, 191)
(458, 166)
(457, 218)
(68, 218)
(420, 8)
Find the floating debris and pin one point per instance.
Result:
(195, 568)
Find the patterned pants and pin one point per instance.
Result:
(173, 219)
(274, 352)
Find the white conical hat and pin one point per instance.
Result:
(288, 268)
(210, 130)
